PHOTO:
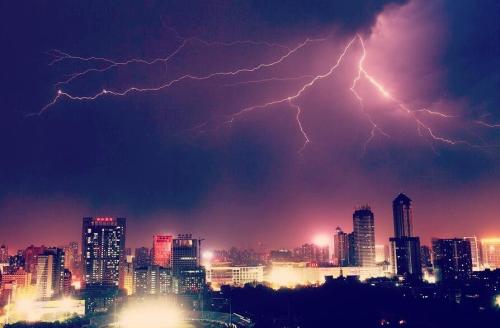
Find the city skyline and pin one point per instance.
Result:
(165, 236)
(140, 241)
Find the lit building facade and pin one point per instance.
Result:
(21, 277)
(50, 273)
(72, 258)
(405, 257)
(162, 250)
(142, 257)
(152, 280)
(219, 276)
(364, 237)
(103, 251)
(452, 259)
(4, 254)
(491, 253)
(188, 276)
(30, 255)
(185, 253)
(475, 253)
(340, 248)
(291, 274)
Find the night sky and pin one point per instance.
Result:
(186, 158)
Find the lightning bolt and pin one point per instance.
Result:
(60, 56)
(357, 78)
(488, 125)
(62, 94)
(412, 113)
(290, 100)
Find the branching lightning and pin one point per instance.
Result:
(60, 93)
(291, 100)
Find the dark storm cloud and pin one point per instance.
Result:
(75, 150)
(473, 53)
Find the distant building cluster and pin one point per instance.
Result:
(101, 269)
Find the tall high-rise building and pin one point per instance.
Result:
(67, 289)
(128, 278)
(142, 257)
(403, 217)
(405, 248)
(162, 250)
(103, 251)
(475, 252)
(152, 280)
(452, 259)
(72, 258)
(16, 262)
(4, 254)
(425, 256)
(352, 251)
(491, 253)
(185, 253)
(364, 236)
(30, 255)
(340, 248)
(50, 273)
(189, 276)
(405, 257)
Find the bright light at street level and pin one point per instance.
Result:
(207, 255)
(497, 301)
(321, 240)
(151, 315)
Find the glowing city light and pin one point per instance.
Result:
(321, 240)
(497, 301)
(207, 255)
(151, 315)
(283, 277)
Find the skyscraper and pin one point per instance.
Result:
(50, 273)
(475, 252)
(103, 250)
(4, 254)
(152, 280)
(425, 256)
(72, 258)
(30, 255)
(189, 276)
(405, 248)
(185, 253)
(162, 250)
(403, 217)
(452, 259)
(364, 236)
(142, 257)
(405, 257)
(491, 253)
(340, 248)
